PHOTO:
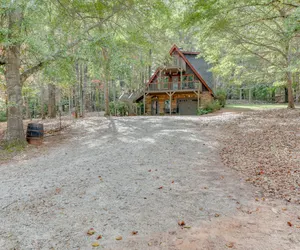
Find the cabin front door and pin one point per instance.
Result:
(154, 107)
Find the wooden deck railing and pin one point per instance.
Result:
(171, 86)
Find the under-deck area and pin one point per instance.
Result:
(175, 102)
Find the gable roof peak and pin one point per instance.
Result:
(180, 50)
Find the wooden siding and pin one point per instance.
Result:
(205, 97)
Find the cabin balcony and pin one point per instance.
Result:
(175, 65)
(183, 86)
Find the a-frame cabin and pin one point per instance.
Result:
(179, 87)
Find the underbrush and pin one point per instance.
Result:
(3, 117)
(8, 150)
(209, 108)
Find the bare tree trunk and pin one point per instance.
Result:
(70, 102)
(85, 80)
(289, 78)
(80, 89)
(106, 83)
(27, 107)
(51, 102)
(290, 90)
(15, 131)
(150, 62)
(107, 111)
(42, 102)
(60, 106)
(77, 91)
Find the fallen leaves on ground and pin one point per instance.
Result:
(134, 232)
(119, 238)
(289, 223)
(91, 231)
(230, 244)
(95, 244)
(99, 237)
(181, 223)
(264, 146)
(161, 187)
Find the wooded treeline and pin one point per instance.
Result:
(251, 43)
(73, 49)
(77, 56)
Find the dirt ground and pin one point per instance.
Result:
(265, 147)
(51, 128)
(125, 175)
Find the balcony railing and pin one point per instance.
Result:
(174, 86)
(175, 63)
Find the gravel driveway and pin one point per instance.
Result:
(140, 174)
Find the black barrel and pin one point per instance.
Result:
(35, 131)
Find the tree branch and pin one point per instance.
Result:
(58, 54)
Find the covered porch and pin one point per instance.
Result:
(172, 103)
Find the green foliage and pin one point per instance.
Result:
(121, 108)
(221, 97)
(3, 117)
(202, 111)
(13, 146)
(247, 42)
(209, 108)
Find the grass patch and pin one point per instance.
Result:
(11, 147)
(8, 150)
(257, 106)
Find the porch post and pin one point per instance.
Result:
(181, 79)
(170, 104)
(144, 103)
(198, 99)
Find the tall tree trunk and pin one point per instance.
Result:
(59, 100)
(85, 80)
(27, 107)
(43, 115)
(70, 102)
(297, 80)
(290, 90)
(51, 102)
(150, 63)
(106, 81)
(106, 96)
(289, 78)
(77, 91)
(80, 89)
(15, 131)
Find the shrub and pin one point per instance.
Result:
(213, 106)
(120, 107)
(221, 97)
(3, 117)
(202, 111)
(209, 108)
